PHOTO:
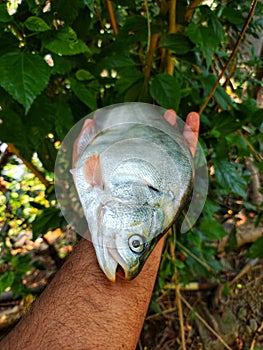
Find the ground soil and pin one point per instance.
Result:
(233, 310)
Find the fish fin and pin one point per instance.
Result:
(170, 116)
(191, 131)
(92, 170)
(86, 135)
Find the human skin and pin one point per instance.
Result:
(82, 310)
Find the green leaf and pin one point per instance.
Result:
(222, 98)
(4, 16)
(65, 42)
(134, 29)
(210, 208)
(40, 120)
(87, 96)
(90, 4)
(212, 229)
(229, 178)
(233, 16)
(256, 250)
(83, 74)
(49, 219)
(67, 10)
(207, 38)
(63, 65)
(47, 154)
(165, 89)
(257, 117)
(115, 62)
(128, 77)
(138, 92)
(225, 123)
(23, 76)
(218, 29)
(64, 119)
(6, 280)
(177, 43)
(36, 24)
(21, 264)
(239, 142)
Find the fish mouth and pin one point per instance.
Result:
(112, 264)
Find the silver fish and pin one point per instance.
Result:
(133, 172)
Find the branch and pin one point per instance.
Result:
(241, 35)
(149, 59)
(113, 20)
(172, 29)
(200, 318)
(181, 317)
(191, 8)
(29, 165)
(148, 24)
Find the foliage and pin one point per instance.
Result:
(60, 60)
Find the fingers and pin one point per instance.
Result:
(170, 116)
(191, 131)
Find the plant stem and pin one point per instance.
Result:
(148, 24)
(29, 165)
(240, 37)
(150, 55)
(191, 8)
(180, 313)
(113, 20)
(172, 29)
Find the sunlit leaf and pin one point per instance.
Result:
(24, 76)
(36, 24)
(66, 42)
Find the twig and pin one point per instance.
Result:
(148, 25)
(113, 20)
(191, 8)
(241, 35)
(250, 146)
(209, 268)
(205, 323)
(193, 286)
(165, 312)
(180, 313)
(29, 165)
(172, 29)
(150, 55)
(244, 271)
(254, 340)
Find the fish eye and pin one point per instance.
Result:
(137, 244)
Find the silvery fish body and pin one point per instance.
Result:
(133, 172)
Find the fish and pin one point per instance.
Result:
(133, 172)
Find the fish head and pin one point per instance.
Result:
(127, 229)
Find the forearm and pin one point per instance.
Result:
(81, 309)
